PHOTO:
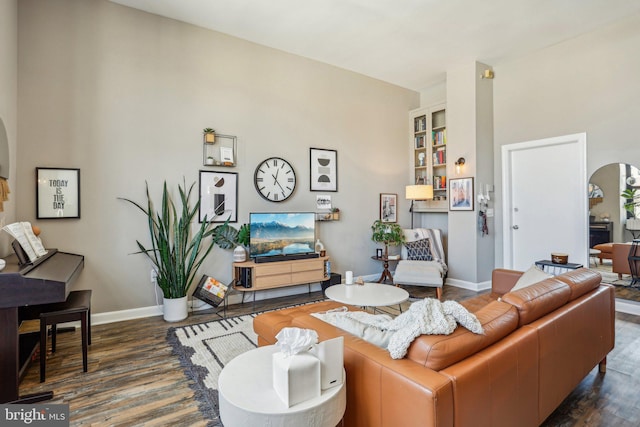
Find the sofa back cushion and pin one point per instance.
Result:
(580, 281)
(535, 301)
(436, 352)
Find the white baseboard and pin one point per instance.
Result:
(477, 287)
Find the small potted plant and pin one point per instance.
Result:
(335, 214)
(389, 233)
(209, 135)
(209, 161)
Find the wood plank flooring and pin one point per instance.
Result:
(134, 380)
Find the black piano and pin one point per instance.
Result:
(47, 280)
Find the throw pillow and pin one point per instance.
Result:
(531, 276)
(419, 250)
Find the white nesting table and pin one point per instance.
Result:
(367, 295)
(247, 396)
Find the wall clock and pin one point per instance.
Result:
(275, 179)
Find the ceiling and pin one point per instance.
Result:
(410, 43)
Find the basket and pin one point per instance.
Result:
(558, 258)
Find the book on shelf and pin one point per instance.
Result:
(439, 182)
(439, 137)
(440, 156)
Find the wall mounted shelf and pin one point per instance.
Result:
(221, 153)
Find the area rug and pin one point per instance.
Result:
(204, 349)
(624, 290)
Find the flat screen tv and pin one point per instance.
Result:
(281, 234)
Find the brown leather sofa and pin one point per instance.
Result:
(539, 343)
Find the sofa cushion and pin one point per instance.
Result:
(419, 250)
(539, 299)
(531, 276)
(267, 325)
(580, 281)
(436, 352)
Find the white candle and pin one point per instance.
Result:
(349, 277)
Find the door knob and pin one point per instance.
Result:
(515, 227)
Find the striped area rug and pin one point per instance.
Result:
(204, 349)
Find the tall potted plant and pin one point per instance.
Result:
(389, 233)
(176, 250)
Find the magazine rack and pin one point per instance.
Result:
(214, 293)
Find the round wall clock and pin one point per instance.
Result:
(275, 179)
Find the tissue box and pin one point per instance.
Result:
(296, 378)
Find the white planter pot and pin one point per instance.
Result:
(175, 309)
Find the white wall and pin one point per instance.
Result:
(588, 84)
(9, 102)
(124, 95)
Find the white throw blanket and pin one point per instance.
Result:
(429, 317)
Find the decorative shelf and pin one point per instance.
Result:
(221, 153)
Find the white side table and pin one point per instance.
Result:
(247, 396)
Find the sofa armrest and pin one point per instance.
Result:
(382, 391)
(502, 280)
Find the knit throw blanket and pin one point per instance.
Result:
(429, 317)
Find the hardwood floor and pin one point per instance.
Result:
(134, 380)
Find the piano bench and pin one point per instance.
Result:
(76, 307)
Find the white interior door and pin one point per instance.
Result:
(545, 209)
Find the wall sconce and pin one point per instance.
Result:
(459, 165)
(487, 74)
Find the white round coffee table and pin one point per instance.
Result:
(367, 295)
(247, 397)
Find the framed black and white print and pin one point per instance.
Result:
(323, 170)
(57, 193)
(218, 196)
(461, 194)
(388, 207)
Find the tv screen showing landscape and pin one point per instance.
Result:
(277, 234)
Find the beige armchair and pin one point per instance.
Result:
(422, 260)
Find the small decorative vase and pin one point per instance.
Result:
(175, 309)
(239, 254)
(319, 246)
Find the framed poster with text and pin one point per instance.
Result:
(57, 193)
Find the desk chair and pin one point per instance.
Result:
(76, 307)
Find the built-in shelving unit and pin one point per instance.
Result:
(429, 142)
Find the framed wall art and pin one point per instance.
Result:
(323, 170)
(461, 194)
(57, 193)
(218, 196)
(388, 207)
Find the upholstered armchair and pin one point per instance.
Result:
(422, 260)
